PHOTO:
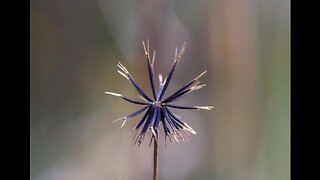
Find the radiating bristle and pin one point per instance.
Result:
(122, 74)
(123, 123)
(123, 118)
(176, 54)
(153, 57)
(182, 50)
(197, 87)
(200, 75)
(160, 79)
(205, 107)
(124, 69)
(144, 48)
(190, 129)
(113, 94)
(148, 46)
(175, 138)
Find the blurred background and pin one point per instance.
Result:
(244, 45)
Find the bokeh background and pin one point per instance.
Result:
(244, 45)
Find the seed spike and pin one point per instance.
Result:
(168, 78)
(176, 54)
(205, 107)
(128, 99)
(160, 79)
(181, 93)
(197, 87)
(114, 94)
(123, 123)
(182, 50)
(122, 74)
(133, 82)
(153, 57)
(148, 47)
(145, 49)
(190, 107)
(190, 129)
(200, 75)
(184, 89)
(175, 137)
(123, 68)
(123, 118)
(132, 115)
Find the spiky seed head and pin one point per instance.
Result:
(158, 109)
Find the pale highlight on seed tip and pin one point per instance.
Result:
(122, 74)
(200, 75)
(190, 129)
(123, 123)
(205, 107)
(197, 87)
(122, 67)
(123, 118)
(113, 94)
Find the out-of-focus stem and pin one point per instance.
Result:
(155, 159)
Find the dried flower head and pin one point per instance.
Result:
(159, 109)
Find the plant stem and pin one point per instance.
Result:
(155, 159)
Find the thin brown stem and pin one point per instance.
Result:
(155, 159)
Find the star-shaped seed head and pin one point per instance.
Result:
(158, 109)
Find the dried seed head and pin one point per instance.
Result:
(158, 110)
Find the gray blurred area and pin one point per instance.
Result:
(244, 45)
